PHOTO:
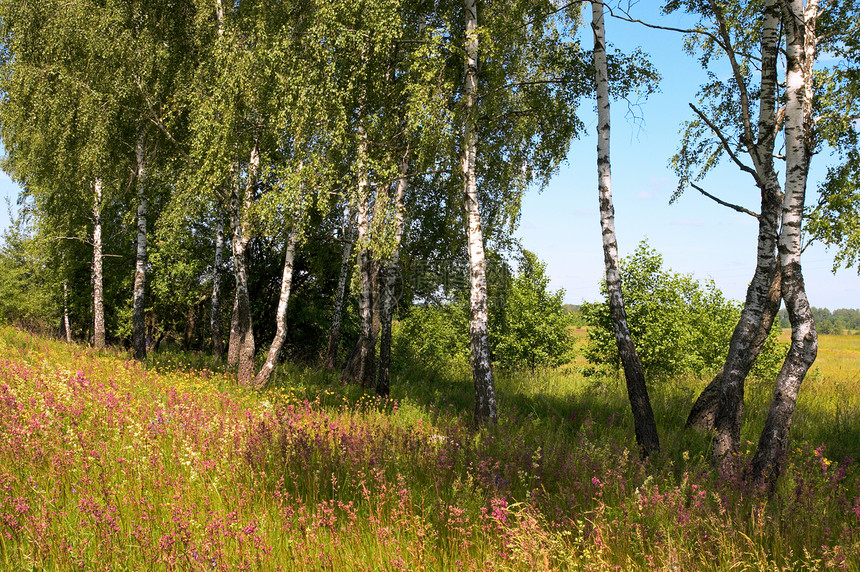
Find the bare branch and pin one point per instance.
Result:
(724, 140)
(724, 203)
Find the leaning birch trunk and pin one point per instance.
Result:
(98, 274)
(215, 316)
(265, 375)
(359, 368)
(643, 416)
(138, 328)
(337, 314)
(66, 324)
(479, 330)
(720, 406)
(800, 24)
(387, 281)
(241, 238)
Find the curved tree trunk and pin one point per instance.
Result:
(643, 416)
(387, 281)
(486, 409)
(98, 273)
(265, 375)
(704, 412)
(138, 334)
(800, 30)
(337, 314)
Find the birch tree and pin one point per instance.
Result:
(637, 391)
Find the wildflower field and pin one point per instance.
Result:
(106, 464)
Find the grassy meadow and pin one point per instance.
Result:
(109, 465)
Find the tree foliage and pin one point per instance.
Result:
(678, 324)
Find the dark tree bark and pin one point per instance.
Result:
(337, 314)
(241, 238)
(643, 416)
(387, 283)
(215, 316)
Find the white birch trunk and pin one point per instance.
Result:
(359, 368)
(138, 302)
(388, 279)
(643, 415)
(66, 323)
(98, 273)
(800, 24)
(265, 375)
(723, 410)
(482, 372)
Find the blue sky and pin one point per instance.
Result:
(694, 235)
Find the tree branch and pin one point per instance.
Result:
(725, 142)
(724, 203)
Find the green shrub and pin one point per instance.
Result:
(534, 328)
(678, 324)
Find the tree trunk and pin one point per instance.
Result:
(334, 332)
(98, 274)
(241, 238)
(387, 281)
(215, 317)
(704, 412)
(479, 332)
(138, 327)
(233, 343)
(720, 406)
(66, 324)
(265, 375)
(800, 32)
(359, 369)
(643, 416)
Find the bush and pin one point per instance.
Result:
(434, 338)
(678, 325)
(534, 331)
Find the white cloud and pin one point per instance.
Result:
(645, 195)
(685, 222)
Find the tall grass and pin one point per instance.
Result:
(105, 465)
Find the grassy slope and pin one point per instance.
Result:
(105, 466)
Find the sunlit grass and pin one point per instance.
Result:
(105, 465)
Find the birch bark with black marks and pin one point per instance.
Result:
(98, 273)
(215, 316)
(388, 281)
(486, 409)
(337, 314)
(265, 374)
(138, 334)
(723, 397)
(233, 342)
(643, 416)
(241, 238)
(359, 366)
(66, 324)
(800, 32)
